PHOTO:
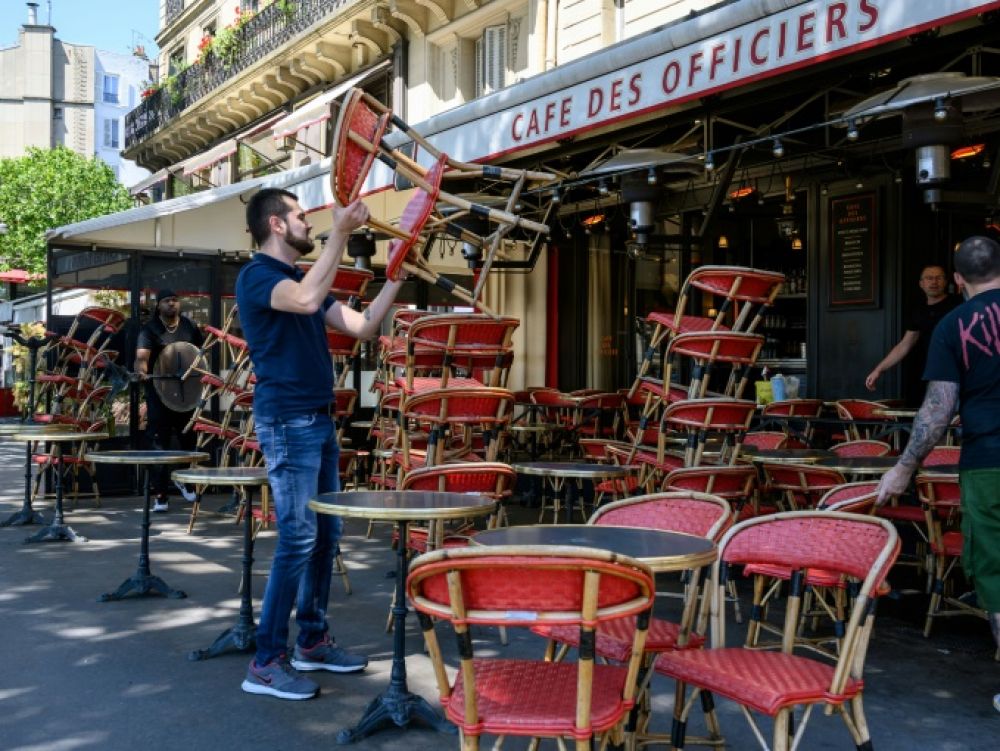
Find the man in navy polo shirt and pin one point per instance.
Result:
(284, 314)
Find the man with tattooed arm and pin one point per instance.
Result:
(963, 374)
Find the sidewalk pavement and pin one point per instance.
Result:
(88, 675)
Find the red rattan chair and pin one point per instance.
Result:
(859, 548)
(941, 498)
(518, 586)
(861, 448)
(850, 411)
(942, 455)
(828, 587)
(698, 418)
(794, 415)
(744, 296)
(765, 439)
(735, 484)
(800, 485)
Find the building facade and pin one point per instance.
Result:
(737, 132)
(56, 93)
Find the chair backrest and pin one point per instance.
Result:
(765, 439)
(942, 455)
(940, 493)
(794, 408)
(861, 447)
(528, 586)
(862, 548)
(707, 348)
(801, 479)
(493, 479)
(861, 409)
(468, 340)
(693, 513)
(734, 483)
(734, 284)
(851, 497)
(722, 415)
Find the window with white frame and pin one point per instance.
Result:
(110, 88)
(491, 60)
(111, 133)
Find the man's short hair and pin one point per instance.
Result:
(262, 206)
(978, 259)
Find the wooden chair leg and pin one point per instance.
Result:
(340, 569)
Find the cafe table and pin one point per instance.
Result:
(785, 456)
(27, 514)
(396, 704)
(555, 475)
(859, 465)
(242, 636)
(661, 551)
(143, 581)
(57, 529)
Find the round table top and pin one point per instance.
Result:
(873, 465)
(222, 475)
(59, 436)
(786, 456)
(152, 456)
(573, 469)
(888, 412)
(10, 429)
(661, 551)
(402, 505)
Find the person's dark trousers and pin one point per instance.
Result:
(165, 431)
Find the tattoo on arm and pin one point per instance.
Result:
(367, 313)
(940, 405)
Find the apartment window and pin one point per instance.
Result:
(57, 113)
(246, 5)
(491, 59)
(111, 133)
(110, 89)
(176, 61)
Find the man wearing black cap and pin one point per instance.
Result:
(166, 327)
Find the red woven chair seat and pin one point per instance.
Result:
(385, 483)
(614, 638)
(354, 160)
(951, 544)
(687, 324)
(540, 695)
(765, 681)
(210, 379)
(425, 383)
(50, 459)
(618, 485)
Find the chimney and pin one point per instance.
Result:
(32, 14)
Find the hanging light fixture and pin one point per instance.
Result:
(940, 109)
(709, 162)
(777, 148)
(602, 187)
(723, 243)
(796, 243)
(852, 130)
(651, 176)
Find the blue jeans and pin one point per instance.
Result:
(302, 459)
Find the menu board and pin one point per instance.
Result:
(853, 257)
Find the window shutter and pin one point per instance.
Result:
(491, 60)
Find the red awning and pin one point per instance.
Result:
(19, 276)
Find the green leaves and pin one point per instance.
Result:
(48, 188)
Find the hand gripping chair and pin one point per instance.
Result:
(527, 586)
(745, 293)
(861, 549)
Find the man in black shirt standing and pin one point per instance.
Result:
(934, 284)
(166, 327)
(963, 373)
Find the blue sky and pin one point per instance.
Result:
(113, 25)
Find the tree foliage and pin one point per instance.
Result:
(49, 188)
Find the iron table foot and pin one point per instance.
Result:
(56, 532)
(242, 637)
(395, 707)
(143, 584)
(25, 516)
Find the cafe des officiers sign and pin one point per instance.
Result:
(785, 41)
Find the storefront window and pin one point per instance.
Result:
(190, 278)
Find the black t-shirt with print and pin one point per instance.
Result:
(965, 349)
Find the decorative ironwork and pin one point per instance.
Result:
(173, 9)
(272, 27)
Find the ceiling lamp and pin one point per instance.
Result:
(709, 162)
(796, 243)
(778, 149)
(723, 242)
(742, 192)
(965, 152)
(593, 220)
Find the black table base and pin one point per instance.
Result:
(397, 705)
(57, 530)
(54, 533)
(142, 581)
(27, 515)
(243, 636)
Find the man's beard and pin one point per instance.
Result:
(303, 244)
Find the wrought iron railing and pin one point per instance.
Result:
(272, 27)
(174, 8)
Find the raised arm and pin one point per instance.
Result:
(894, 356)
(364, 324)
(306, 296)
